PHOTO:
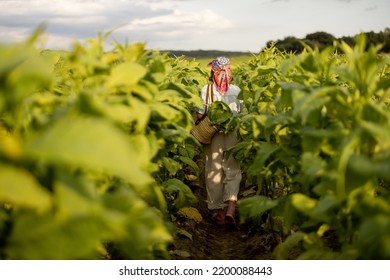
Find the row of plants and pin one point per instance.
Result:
(94, 149)
(96, 154)
(316, 144)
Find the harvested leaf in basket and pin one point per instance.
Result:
(220, 114)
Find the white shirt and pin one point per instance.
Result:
(230, 98)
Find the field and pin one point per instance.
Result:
(236, 61)
(97, 160)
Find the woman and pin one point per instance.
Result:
(223, 175)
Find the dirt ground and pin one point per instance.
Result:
(208, 241)
(215, 242)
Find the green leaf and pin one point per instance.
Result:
(374, 238)
(144, 91)
(142, 227)
(191, 163)
(144, 146)
(20, 188)
(365, 201)
(219, 113)
(187, 151)
(255, 206)
(283, 250)
(264, 151)
(303, 203)
(120, 113)
(171, 165)
(323, 207)
(312, 167)
(91, 144)
(184, 92)
(242, 150)
(264, 70)
(182, 194)
(174, 135)
(74, 196)
(322, 140)
(381, 133)
(141, 113)
(368, 168)
(36, 237)
(165, 112)
(312, 104)
(169, 96)
(126, 74)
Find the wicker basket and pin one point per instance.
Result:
(204, 130)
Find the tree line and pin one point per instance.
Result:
(205, 53)
(323, 39)
(319, 39)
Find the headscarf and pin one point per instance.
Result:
(222, 76)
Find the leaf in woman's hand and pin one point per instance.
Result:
(219, 113)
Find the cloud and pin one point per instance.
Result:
(136, 20)
(274, 1)
(348, 1)
(177, 26)
(372, 8)
(72, 18)
(187, 24)
(188, 21)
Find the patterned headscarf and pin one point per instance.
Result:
(222, 73)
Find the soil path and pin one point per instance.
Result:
(209, 241)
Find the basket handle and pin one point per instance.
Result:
(207, 103)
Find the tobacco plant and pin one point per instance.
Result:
(316, 142)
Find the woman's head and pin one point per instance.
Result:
(221, 73)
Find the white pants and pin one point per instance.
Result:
(223, 176)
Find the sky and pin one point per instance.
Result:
(228, 25)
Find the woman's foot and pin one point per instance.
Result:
(231, 213)
(219, 217)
